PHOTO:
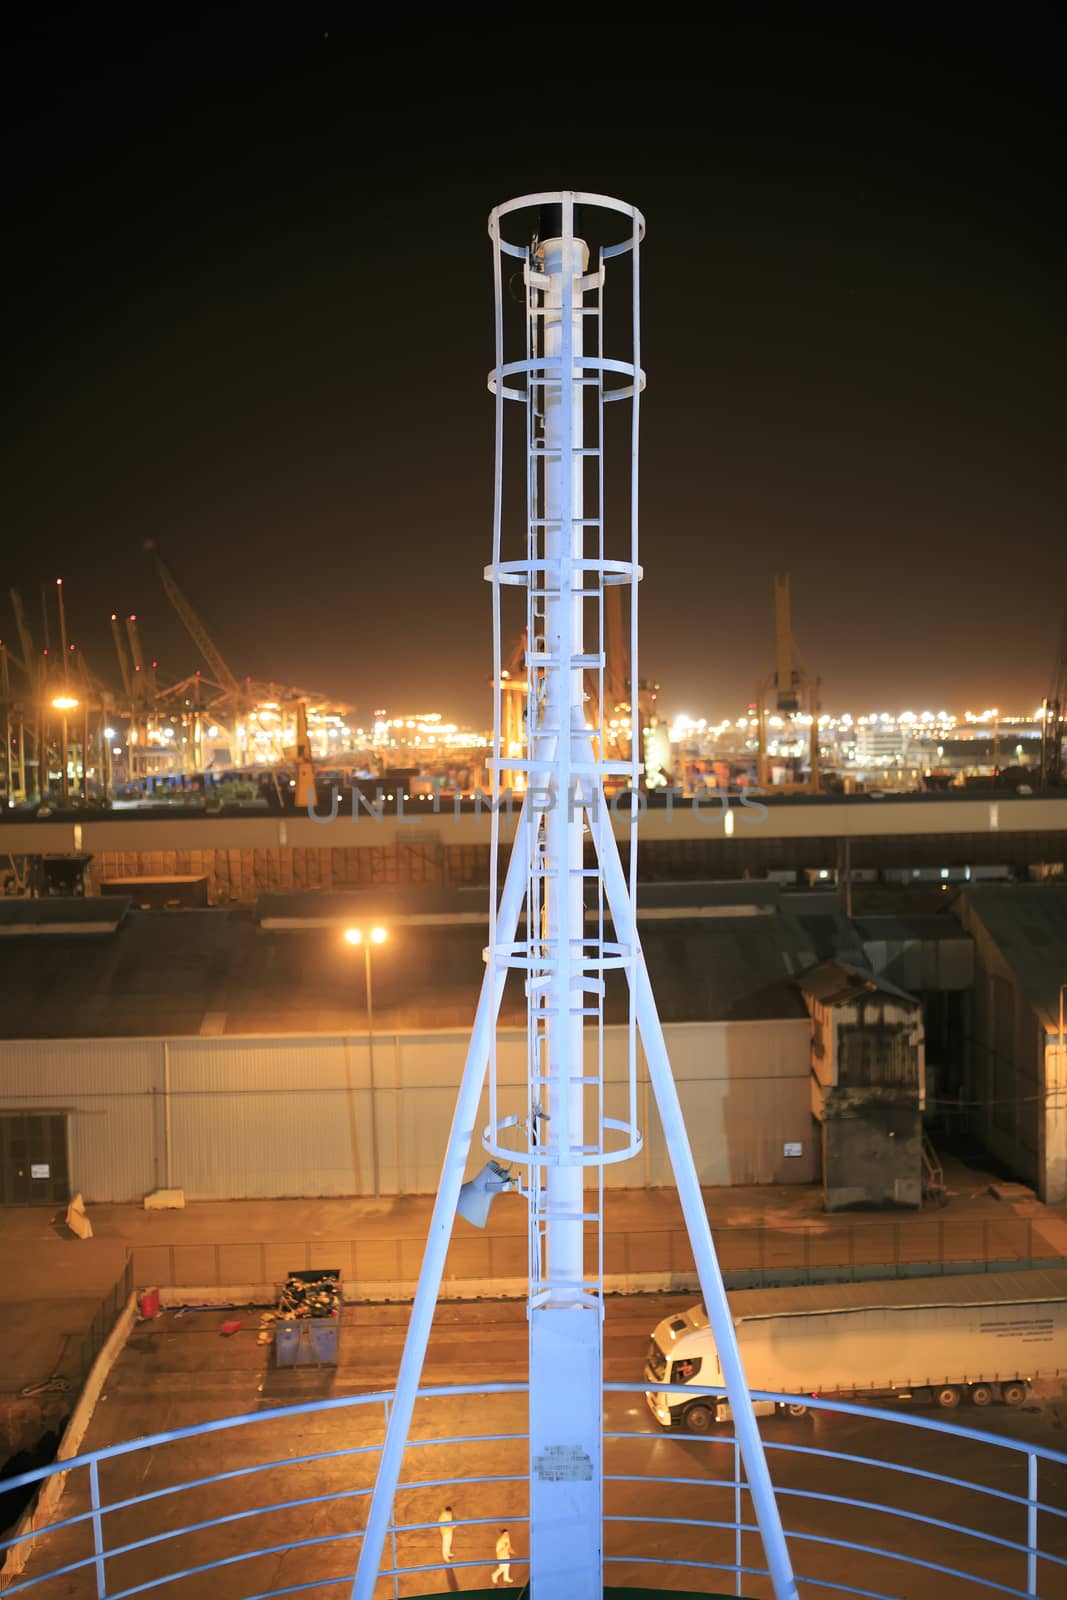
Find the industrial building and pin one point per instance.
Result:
(1016, 1061)
(867, 1070)
(230, 1055)
(233, 859)
(230, 1052)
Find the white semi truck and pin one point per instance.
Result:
(984, 1337)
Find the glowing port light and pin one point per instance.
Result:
(355, 936)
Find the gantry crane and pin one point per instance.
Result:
(210, 651)
(622, 698)
(61, 695)
(792, 689)
(513, 691)
(1054, 719)
(236, 697)
(122, 657)
(33, 677)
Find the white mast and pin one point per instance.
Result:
(573, 1123)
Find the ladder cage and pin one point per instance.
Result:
(576, 1108)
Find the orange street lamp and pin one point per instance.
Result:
(64, 703)
(356, 936)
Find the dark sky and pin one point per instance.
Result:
(249, 314)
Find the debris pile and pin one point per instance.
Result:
(265, 1335)
(308, 1295)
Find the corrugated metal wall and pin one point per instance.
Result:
(111, 1091)
(264, 1118)
(267, 1118)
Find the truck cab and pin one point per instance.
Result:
(682, 1350)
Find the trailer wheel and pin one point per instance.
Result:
(981, 1394)
(699, 1418)
(1013, 1394)
(796, 1411)
(947, 1396)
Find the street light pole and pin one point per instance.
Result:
(376, 936)
(64, 703)
(1056, 1102)
(370, 1062)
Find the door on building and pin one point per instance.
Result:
(33, 1160)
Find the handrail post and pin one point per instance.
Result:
(737, 1518)
(1031, 1523)
(392, 1519)
(98, 1531)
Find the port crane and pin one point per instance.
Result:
(790, 689)
(1054, 718)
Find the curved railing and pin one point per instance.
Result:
(143, 1517)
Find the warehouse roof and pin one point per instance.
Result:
(1028, 924)
(832, 984)
(173, 973)
(902, 928)
(61, 916)
(416, 904)
(822, 917)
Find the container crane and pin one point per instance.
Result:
(210, 651)
(122, 657)
(1054, 719)
(144, 684)
(33, 674)
(513, 711)
(792, 689)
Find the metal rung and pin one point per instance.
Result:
(576, 311)
(570, 594)
(555, 382)
(557, 522)
(556, 450)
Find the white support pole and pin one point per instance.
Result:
(565, 259)
(440, 1231)
(712, 1287)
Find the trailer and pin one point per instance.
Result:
(982, 1337)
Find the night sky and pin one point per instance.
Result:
(249, 314)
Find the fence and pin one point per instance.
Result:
(751, 1257)
(104, 1319)
(676, 1508)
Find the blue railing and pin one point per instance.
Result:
(675, 1504)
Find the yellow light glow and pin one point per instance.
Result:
(353, 936)
(65, 702)
(377, 936)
